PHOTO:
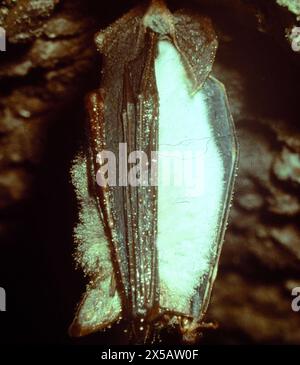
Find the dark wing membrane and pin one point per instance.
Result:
(128, 115)
(119, 43)
(224, 131)
(197, 43)
(115, 39)
(105, 194)
(140, 126)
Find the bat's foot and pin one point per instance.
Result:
(191, 330)
(141, 332)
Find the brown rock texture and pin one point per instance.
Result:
(51, 64)
(260, 259)
(49, 54)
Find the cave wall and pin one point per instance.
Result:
(51, 64)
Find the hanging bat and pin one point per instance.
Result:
(138, 269)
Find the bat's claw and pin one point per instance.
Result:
(191, 330)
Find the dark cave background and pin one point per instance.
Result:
(49, 66)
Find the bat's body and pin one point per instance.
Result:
(127, 110)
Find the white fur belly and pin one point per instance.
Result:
(190, 184)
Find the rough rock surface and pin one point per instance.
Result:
(51, 64)
(49, 53)
(260, 259)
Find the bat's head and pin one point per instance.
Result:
(159, 18)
